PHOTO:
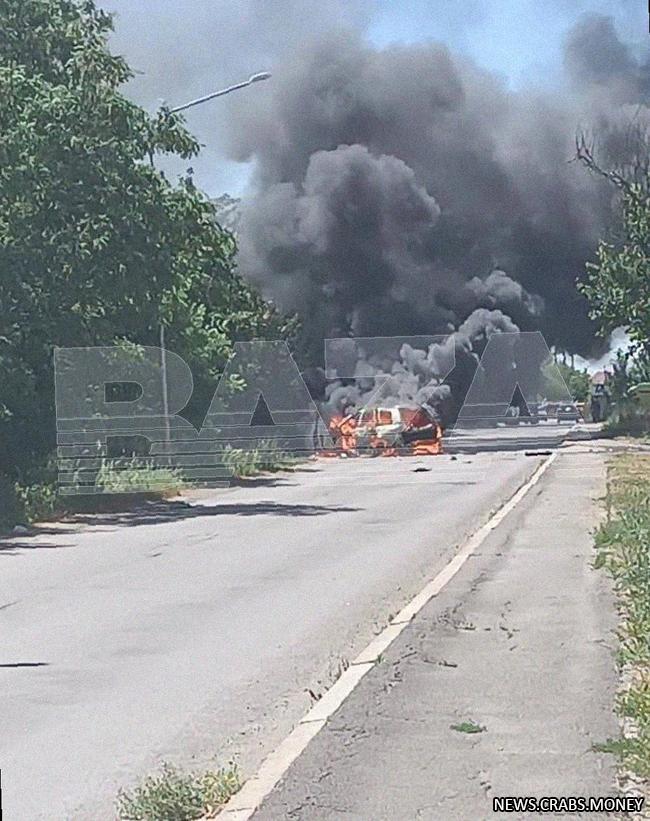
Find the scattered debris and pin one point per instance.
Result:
(20, 530)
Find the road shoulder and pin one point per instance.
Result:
(518, 645)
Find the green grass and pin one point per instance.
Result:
(36, 499)
(131, 476)
(468, 727)
(622, 545)
(176, 795)
(266, 457)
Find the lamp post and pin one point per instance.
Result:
(254, 78)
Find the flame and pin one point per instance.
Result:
(382, 447)
(428, 447)
(344, 432)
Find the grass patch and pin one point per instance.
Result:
(266, 457)
(622, 545)
(130, 475)
(176, 795)
(468, 727)
(35, 498)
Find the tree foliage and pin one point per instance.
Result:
(618, 283)
(96, 245)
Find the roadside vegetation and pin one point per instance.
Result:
(627, 419)
(617, 283)
(622, 544)
(131, 476)
(266, 457)
(108, 247)
(176, 795)
(37, 500)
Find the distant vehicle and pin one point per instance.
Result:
(538, 413)
(512, 416)
(567, 412)
(541, 410)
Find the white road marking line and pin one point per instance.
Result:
(244, 803)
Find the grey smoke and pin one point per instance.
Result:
(401, 190)
(597, 60)
(415, 375)
(398, 190)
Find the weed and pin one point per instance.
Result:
(267, 456)
(469, 727)
(131, 475)
(175, 795)
(622, 549)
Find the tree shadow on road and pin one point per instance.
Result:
(15, 547)
(163, 512)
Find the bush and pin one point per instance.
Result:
(132, 476)
(628, 418)
(267, 456)
(10, 509)
(37, 502)
(174, 795)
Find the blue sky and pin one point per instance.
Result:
(520, 39)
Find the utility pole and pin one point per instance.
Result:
(165, 395)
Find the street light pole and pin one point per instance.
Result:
(254, 78)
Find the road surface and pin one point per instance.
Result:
(520, 645)
(184, 632)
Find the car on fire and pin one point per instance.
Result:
(401, 427)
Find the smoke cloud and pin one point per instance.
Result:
(398, 190)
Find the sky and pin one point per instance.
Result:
(182, 50)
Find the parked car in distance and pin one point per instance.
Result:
(567, 412)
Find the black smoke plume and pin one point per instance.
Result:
(403, 190)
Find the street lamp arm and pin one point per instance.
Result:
(255, 78)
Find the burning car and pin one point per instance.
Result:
(388, 431)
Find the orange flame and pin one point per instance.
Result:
(343, 430)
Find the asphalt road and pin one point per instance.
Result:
(185, 632)
(521, 644)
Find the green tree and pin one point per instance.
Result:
(618, 283)
(96, 245)
(577, 382)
